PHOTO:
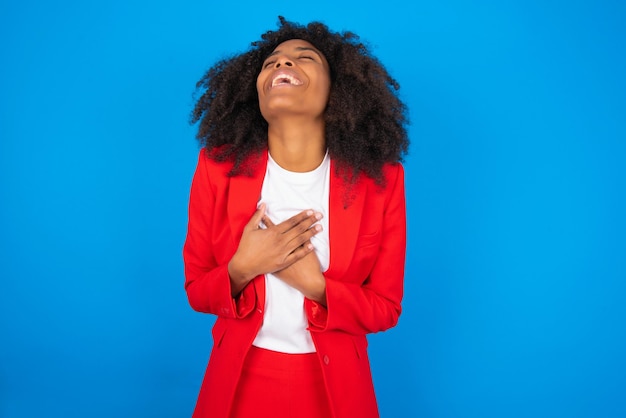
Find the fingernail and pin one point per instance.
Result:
(309, 212)
(318, 228)
(318, 216)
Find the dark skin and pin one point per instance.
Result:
(274, 248)
(296, 141)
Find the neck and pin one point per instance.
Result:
(297, 145)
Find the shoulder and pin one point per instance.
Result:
(393, 171)
(209, 162)
(393, 182)
(215, 163)
(392, 178)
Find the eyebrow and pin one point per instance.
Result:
(298, 48)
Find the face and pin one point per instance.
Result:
(294, 80)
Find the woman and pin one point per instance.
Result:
(296, 236)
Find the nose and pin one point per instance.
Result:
(283, 60)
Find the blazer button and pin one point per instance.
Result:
(326, 360)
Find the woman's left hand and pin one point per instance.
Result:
(304, 275)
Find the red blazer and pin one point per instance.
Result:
(364, 281)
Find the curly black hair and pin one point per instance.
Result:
(365, 120)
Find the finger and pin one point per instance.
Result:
(304, 230)
(256, 218)
(303, 238)
(267, 221)
(303, 220)
(299, 253)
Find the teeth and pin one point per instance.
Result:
(285, 78)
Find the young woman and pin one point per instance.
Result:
(296, 238)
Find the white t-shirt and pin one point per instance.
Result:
(286, 194)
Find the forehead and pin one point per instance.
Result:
(293, 43)
(296, 44)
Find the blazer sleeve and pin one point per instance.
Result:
(207, 282)
(358, 306)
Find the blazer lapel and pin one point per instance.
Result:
(346, 205)
(244, 193)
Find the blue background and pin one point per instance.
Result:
(516, 187)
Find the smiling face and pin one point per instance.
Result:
(294, 80)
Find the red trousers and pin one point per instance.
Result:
(279, 385)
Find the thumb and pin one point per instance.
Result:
(256, 218)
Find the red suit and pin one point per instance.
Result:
(364, 282)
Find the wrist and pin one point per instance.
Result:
(317, 290)
(238, 278)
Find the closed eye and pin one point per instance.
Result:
(268, 63)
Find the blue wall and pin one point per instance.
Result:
(516, 188)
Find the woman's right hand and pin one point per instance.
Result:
(266, 250)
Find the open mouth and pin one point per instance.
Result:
(283, 79)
